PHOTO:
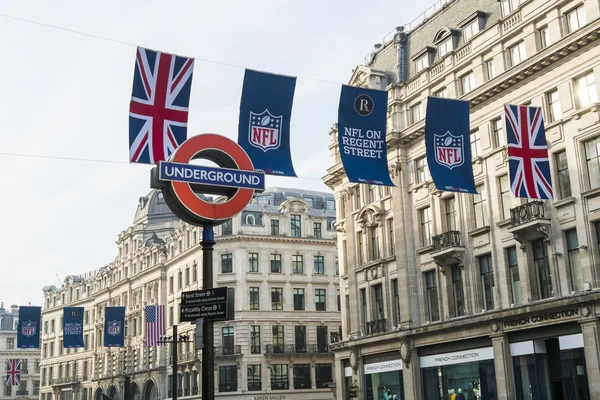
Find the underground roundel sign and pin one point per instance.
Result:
(183, 183)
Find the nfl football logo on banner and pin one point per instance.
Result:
(28, 328)
(449, 150)
(264, 130)
(114, 328)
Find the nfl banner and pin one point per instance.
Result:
(73, 327)
(448, 145)
(362, 119)
(528, 161)
(28, 334)
(114, 327)
(264, 126)
(158, 111)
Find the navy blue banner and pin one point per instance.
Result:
(73, 327)
(28, 333)
(114, 327)
(448, 144)
(362, 119)
(264, 127)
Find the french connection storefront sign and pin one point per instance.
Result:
(534, 319)
(385, 366)
(458, 357)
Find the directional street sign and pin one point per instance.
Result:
(209, 304)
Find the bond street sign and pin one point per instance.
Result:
(208, 304)
(181, 182)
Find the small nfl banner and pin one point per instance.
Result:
(448, 145)
(28, 334)
(264, 126)
(114, 327)
(73, 327)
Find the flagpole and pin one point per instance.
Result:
(208, 362)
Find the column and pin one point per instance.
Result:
(589, 329)
(503, 367)
(313, 375)
(411, 376)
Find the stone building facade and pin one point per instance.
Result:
(30, 358)
(280, 256)
(489, 295)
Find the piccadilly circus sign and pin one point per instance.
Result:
(182, 182)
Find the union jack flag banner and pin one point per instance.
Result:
(13, 373)
(528, 161)
(158, 111)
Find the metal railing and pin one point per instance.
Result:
(22, 392)
(233, 350)
(527, 212)
(297, 349)
(446, 240)
(377, 326)
(228, 386)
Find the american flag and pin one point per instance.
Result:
(158, 112)
(13, 373)
(528, 161)
(155, 325)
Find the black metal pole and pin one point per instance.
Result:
(208, 362)
(127, 393)
(174, 344)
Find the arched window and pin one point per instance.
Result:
(250, 220)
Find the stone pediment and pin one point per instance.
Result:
(369, 215)
(294, 206)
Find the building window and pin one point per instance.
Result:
(295, 225)
(255, 339)
(425, 221)
(359, 246)
(487, 281)
(298, 299)
(505, 196)
(442, 93)
(457, 291)
(479, 207)
(513, 271)
(562, 170)
(576, 19)
(278, 338)
(575, 270)
(391, 237)
(421, 63)
(421, 164)
(319, 262)
(508, 6)
(301, 376)
(10, 343)
(498, 137)
(542, 269)
(228, 339)
(279, 377)
(374, 243)
(227, 228)
(317, 230)
(323, 375)
(414, 114)
(396, 301)
(592, 155)
(544, 35)
(253, 262)
(471, 29)
(254, 381)
(445, 47)
(490, 69)
(337, 265)
(554, 113)
(274, 227)
(432, 296)
(276, 298)
(475, 144)
(276, 263)
(297, 264)
(517, 53)
(378, 301)
(467, 83)
(254, 298)
(450, 209)
(310, 201)
(300, 338)
(363, 298)
(330, 205)
(586, 90)
(320, 300)
(358, 203)
(226, 264)
(250, 219)
(228, 378)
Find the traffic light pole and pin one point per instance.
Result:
(208, 361)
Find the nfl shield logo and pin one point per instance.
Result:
(265, 130)
(28, 328)
(114, 328)
(449, 150)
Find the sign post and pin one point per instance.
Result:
(180, 183)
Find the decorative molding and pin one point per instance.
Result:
(495, 326)
(519, 239)
(405, 350)
(544, 230)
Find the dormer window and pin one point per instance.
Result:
(421, 63)
(445, 47)
(472, 25)
(423, 59)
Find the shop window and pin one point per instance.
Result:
(323, 375)
(228, 378)
(254, 380)
(384, 380)
(302, 376)
(279, 377)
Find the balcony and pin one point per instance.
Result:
(66, 381)
(225, 351)
(447, 246)
(377, 326)
(289, 349)
(189, 356)
(529, 222)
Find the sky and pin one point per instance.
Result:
(66, 94)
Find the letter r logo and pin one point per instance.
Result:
(363, 105)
